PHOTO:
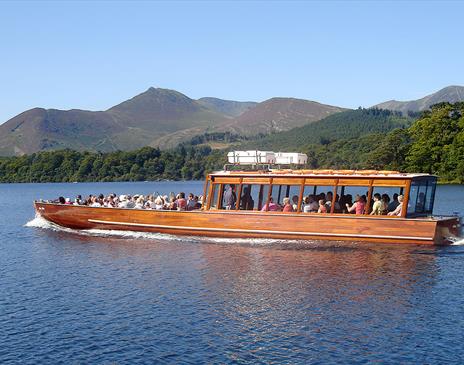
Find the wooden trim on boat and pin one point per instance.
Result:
(404, 209)
(263, 231)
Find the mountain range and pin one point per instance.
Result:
(164, 118)
(451, 94)
(157, 117)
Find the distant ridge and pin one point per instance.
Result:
(157, 117)
(129, 125)
(227, 107)
(451, 94)
(165, 118)
(277, 115)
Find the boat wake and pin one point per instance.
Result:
(457, 241)
(42, 223)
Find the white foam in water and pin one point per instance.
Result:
(457, 241)
(40, 222)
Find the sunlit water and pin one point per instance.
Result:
(123, 298)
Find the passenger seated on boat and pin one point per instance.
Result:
(139, 203)
(310, 204)
(337, 206)
(271, 207)
(181, 202)
(394, 203)
(246, 202)
(78, 200)
(306, 207)
(150, 202)
(159, 203)
(344, 200)
(109, 202)
(88, 200)
(288, 208)
(94, 202)
(131, 201)
(399, 209)
(199, 202)
(379, 205)
(295, 202)
(386, 200)
(172, 203)
(60, 200)
(358, 207)
(322, 206)
(191, 202)
(328, 202)
(123, 201)
(313, 203)
(229, 197)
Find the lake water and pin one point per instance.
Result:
(99, 298)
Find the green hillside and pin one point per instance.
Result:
(345, 125)
(432, 144)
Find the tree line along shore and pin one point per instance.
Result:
(432, 143)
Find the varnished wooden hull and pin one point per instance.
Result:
(244, 224)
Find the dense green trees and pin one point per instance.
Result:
(144, 164)
(345, 125)
(364, 139)
(433, 144)
(438, 142)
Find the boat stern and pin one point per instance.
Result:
(447, 231)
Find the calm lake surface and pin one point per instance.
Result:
(100, 298)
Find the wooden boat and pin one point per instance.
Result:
(415, 225)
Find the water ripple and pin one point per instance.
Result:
(112, 298)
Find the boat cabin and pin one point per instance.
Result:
(254, 189)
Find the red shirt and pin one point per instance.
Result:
(359, 208)
(288, 208)
(181, 203)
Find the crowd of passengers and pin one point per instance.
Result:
(157, 202)
(321, 203)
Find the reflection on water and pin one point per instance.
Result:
(102, 297)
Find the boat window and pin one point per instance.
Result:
(214, 196)
(347, 194)
(389, 195)
(253, 196)
(246, 198)
(229, 196)
(262, 197)
(206, 193)
(279, 192)
(309, 199)
(421, 197)
(430, 195)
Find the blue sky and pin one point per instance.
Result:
(92, 55)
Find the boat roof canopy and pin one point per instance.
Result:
(374, 174)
